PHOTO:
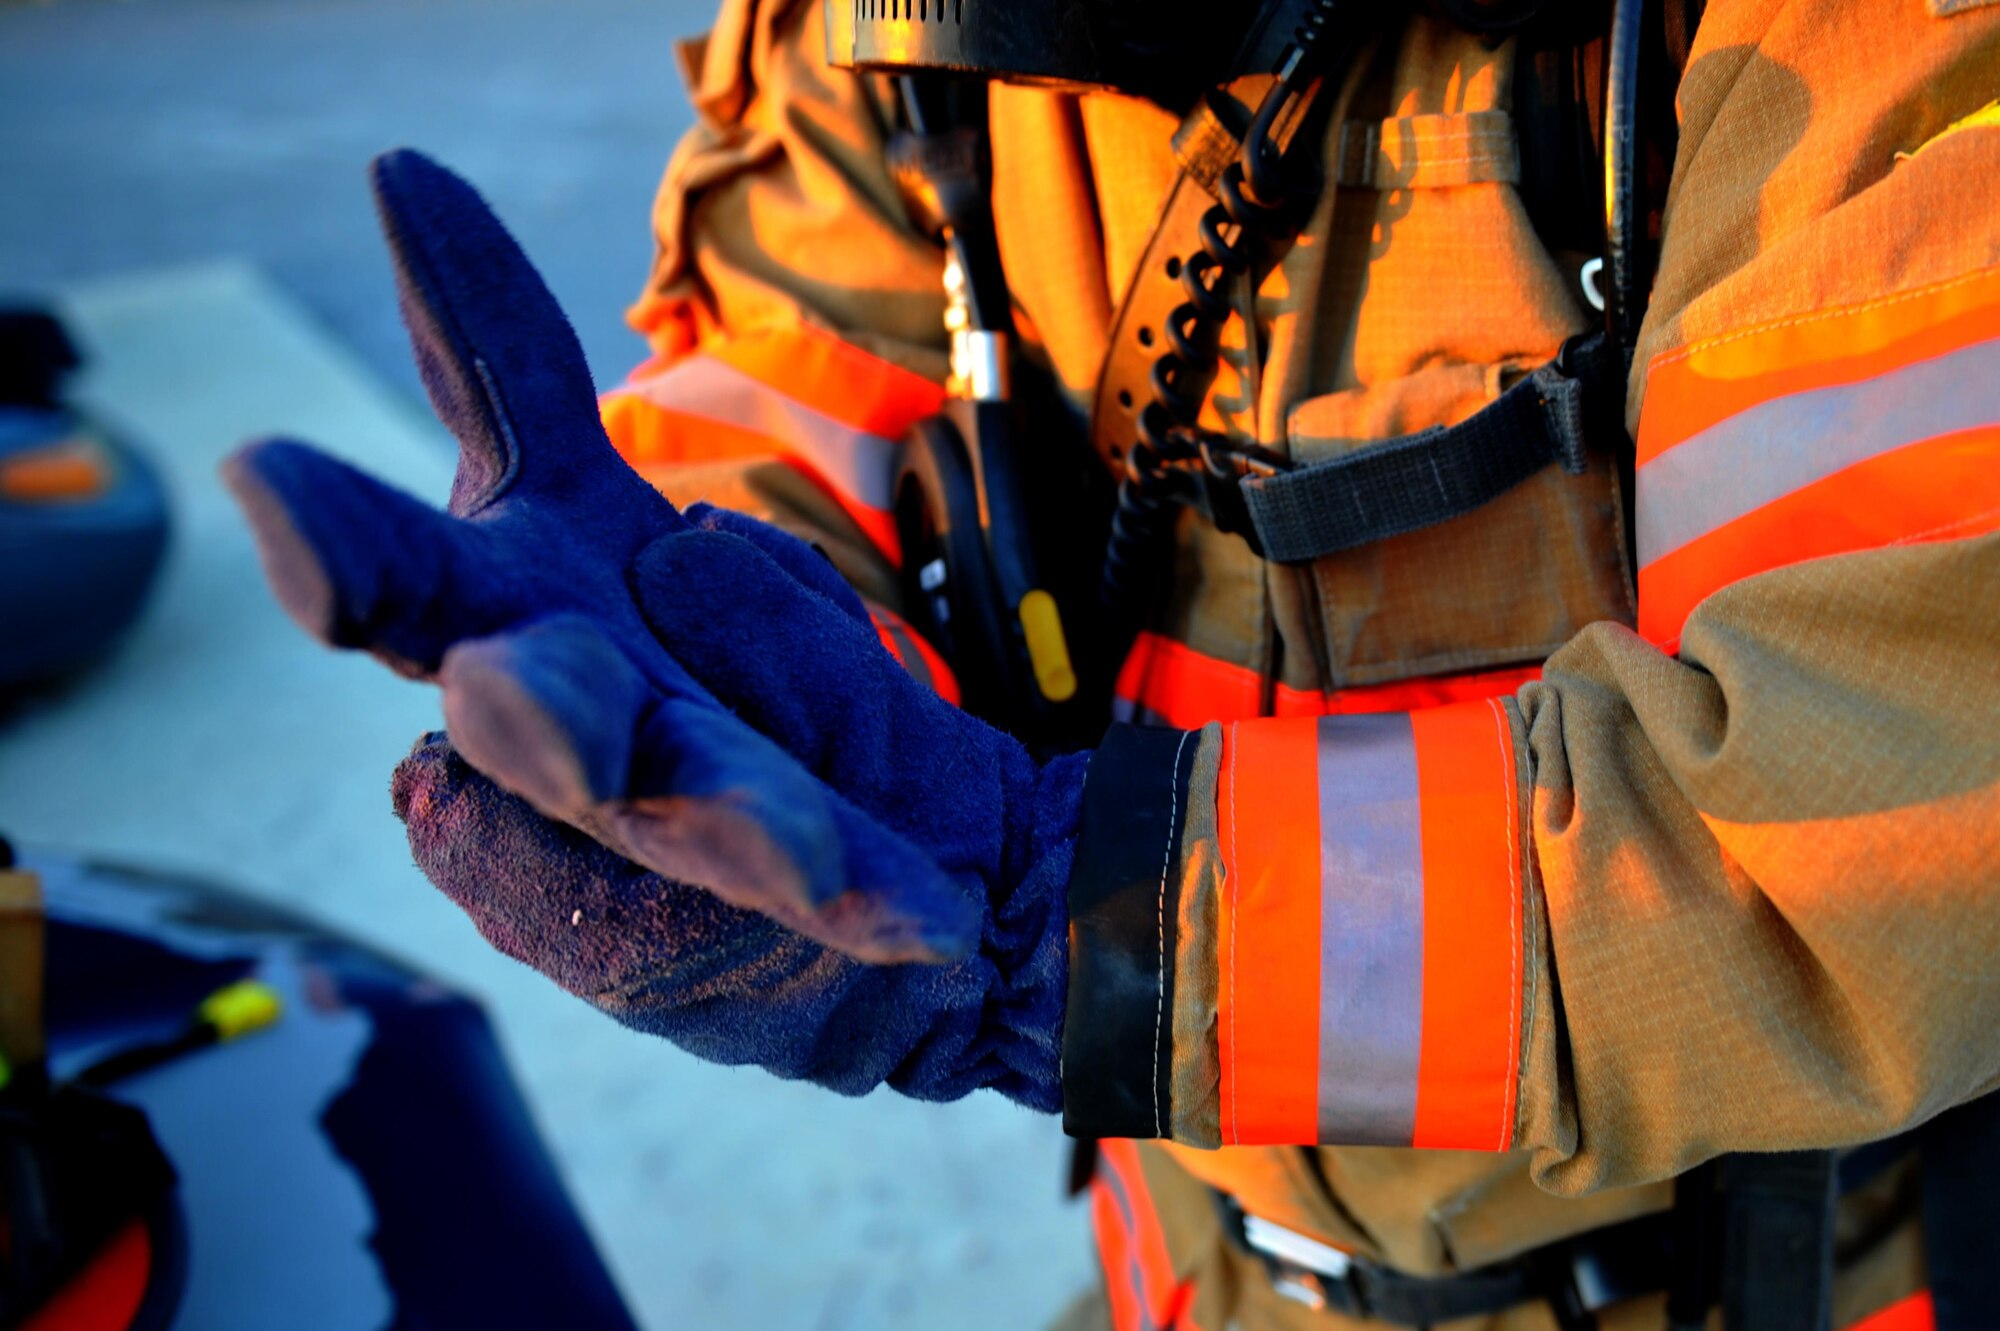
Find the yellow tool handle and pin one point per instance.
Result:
(241, 1008)
(1048, 649)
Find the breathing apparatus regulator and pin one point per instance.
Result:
(1011, 568)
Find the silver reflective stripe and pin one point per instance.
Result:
(1371, 930)
(1768, 451)
(861, 464)
(1134, 1273)
(906, 650)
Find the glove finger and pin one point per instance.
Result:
(548, 711)
(793, 555)
(503, 366)
(556, 899)
(558, 715)
(359, 564)
(893, 904)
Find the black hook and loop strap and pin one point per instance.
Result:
(1417, 481)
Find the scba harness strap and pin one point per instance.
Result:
(1160, 356)
(1407, 484)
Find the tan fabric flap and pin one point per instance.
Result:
(1429, 151)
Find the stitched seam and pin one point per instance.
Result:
(1166, 866)
(1954, 525)
(1235, 926)
(1531, 939)
(1672, 646)
(1509, 793)
(1820, 316)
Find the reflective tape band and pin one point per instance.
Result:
(1939, 489)
(1370, 934)
(1144, 1293)
(824, 406)
(835, 378)
(1371, 937)
(1842, 431)
(1268, 935)
(1766, 452)
(1469, 1072)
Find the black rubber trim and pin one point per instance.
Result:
(1124, 900)
(1961, 1152)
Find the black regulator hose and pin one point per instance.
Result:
(1625, 240)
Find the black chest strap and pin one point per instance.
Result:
(1417, 481)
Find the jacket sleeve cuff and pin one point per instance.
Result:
(1124, 934)
(1332, 951)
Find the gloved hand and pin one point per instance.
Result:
(698, 694)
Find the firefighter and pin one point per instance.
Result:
(1547, 869)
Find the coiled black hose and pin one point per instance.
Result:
(1260, 204)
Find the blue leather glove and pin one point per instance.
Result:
(769, 807)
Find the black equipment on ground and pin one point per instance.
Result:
(36, 355)
(174, 1152)
(76, 1168)
(83, 515)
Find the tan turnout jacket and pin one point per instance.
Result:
(1703, 855)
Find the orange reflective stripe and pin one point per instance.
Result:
(647, 434)
(1690, 390)
(1169, 683)
(936, 670)
(1123, 1289)
(880, 619)
(1467, 1078)
(1369, 937)
(829, 409)
(1939, 489)
(1847, 430)
(837, 378)
(1267, 811)
(1912, 1314)
(1139, 1277)
(656, 441)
